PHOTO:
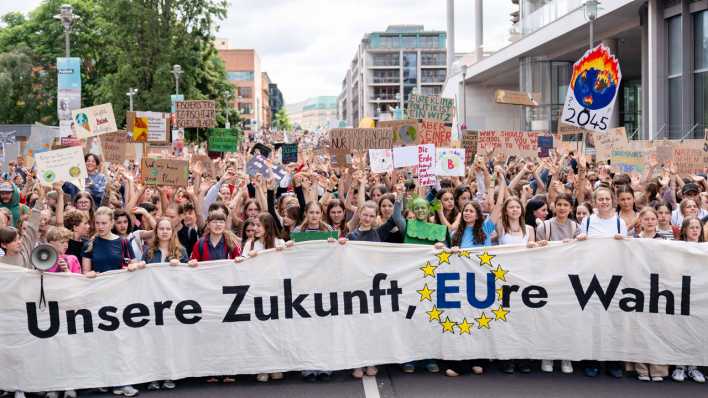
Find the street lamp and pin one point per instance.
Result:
(591, 10)
(227, 95)
(131, 93)
(67, 18)
(177, 71)
(464, 95)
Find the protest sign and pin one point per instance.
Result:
(640, 298)
(62, 165)
(690, 156)
(545, 145)
(405, 156)
(431, 107)
(116, 147)
(522, 144)
(426, 165)
(405, 132)
(450, 162)
(288, 153)
(173, 172)
(344, 141)
(604, 143)
(313, 235)
(66, 142)
(150, 127)
(195, 114)
(517, 98)
(257, 165)
(223, 140)
(381, 160)
(593, 89)
(93, 121)
(469, 142)
(434, 132)
(630, 157)
(207, 163)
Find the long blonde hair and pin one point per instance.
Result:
(101, 211)
(174, 250)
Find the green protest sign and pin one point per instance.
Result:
(313, 235)
(223, 140)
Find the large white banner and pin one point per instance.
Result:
(322, 305)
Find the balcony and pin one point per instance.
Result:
(386, 80)
(384, 97)
(534, 20)
(385, 63)
(432, 79)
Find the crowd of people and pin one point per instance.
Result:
(118, 223)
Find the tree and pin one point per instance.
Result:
(17, 79)
(282, 120)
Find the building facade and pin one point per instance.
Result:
(266, 112)
(662, 46)
(276, 98)
(313, 113)
(243, 69)
(387, 67)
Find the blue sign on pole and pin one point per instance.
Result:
(68, 91)
(173, 99)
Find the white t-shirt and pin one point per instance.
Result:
(677, 217)
(604, 228)
(258, 246)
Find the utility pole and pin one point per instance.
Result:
(67, 18)
(176, 72)
(131, 93)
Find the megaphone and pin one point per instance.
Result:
(43, 257)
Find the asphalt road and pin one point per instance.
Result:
(392, 383)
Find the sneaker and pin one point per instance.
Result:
(153, 386)
(591, 372)
(51, 394)
(310, 378)
(508, 368)
(262, 377)
(371, 371)
(102, 389)
(70, 394)
(128, 391)
(547, 366)
(324, 377)
(615, 372)
(168, 385)
(276, 376)
(451, 373)
(19, 394)
(478, 370)
(566, 366)
(525, 368)
(679, 374)
(432, 367)
(696, 375)
(358, 373)
(408, 368)
(657, 379)
(643, 378)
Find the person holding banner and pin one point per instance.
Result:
(17, 243)
(165, 247)
(218, 243)
(626, 207)
(313, 219)
(107, 251)
(336, 216)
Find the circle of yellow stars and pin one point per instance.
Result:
(464, 326)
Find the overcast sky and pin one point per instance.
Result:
(307, 45)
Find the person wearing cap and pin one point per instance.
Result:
(10, 199)
(689, 191)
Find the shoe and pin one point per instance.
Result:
(657, 379)
(679, 374)
(643, 378)
(566, 366)
(276, 376)
(310, 378)
(591, 372)
(228, 379)
(508, 368)
(128, 391)
(371, 371)
(70, 394)
(696, 375)
(615, 372)
(324, 377)
(478, 370)
(547, 366)
(168, 385)
(525, 369)
(358, 373)
(408, 368)
(51, 394)
(19, 394)
(451, 373)
(432, 367)
(262, 377)
(153, 386)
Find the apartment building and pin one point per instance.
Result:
(243, 68)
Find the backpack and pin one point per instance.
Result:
(547, 229)
(203, 249)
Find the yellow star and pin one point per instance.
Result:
(425, 293)
(465, 327)
(500, 314)
(428, 269)
(434, 314)
(483, 321)
(448, 325)
(464, 253)
(500, 294)
(443, 257)
(500, 273)
(485, 258)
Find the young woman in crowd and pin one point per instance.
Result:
(626, 207)
(77, 222)
(313, 219)
(218, 243)
(582, 211)
(96, 181)
(123, 227)
(663, 218)
(17, 243)
(447, 213)
(165, 247)
(336, 216)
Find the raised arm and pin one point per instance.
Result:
(495, 216)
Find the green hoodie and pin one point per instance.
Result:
(14, 205)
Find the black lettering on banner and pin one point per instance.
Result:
(605, 296)
(86, 319)
(394, 292)
(534, 292)
(240, 292)
(160, 307)
(107, 314)
(135, 310)
(296, 304)
(333, 305)
(376, 292)
(654, 295)
(188, 307)
(506, 294)
(33, 322)
(349, 304)
(258, 306)
(686, 294)
(632, 303)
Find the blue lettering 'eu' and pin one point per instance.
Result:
(444, 290)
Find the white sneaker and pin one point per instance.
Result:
(657, 379)
(128, 391)
(696, 375)
(70, 394)
(547, 365)
(643, 378)
(679, 374)
(153, 386)
(51, 394)
(19, 394)
(262, 377)
(566, 366)
(168, 385)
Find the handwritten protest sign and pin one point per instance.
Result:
(116, 148)
(174, 172)
(93, 121)
(62, 165)
(431, 107)
(469, 142)
(690, 156)
(288, 153)
(344, 141)
(257, 165)
(381, 160)
(450, 162)
(405, 156)
(517, 143)
(195, 114)
(223, 140)
(630, 157)
(426, 165)
(151, 127)
(604, 143)
(405, 132)
(434, 132)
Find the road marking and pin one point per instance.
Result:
(371, 389)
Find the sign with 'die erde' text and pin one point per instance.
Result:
(431, 107)
(426, 165)
(196, 114)
(173, 172)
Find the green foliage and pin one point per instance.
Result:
(281, 121)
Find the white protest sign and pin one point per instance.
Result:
(450, 162)
(93, 121)
(593, 89)
(65, 164)
(405, 156)
(381, 160)
(426, 165)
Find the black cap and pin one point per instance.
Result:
(691, 186)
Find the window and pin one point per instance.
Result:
(675, 66)
(410, 68)
(245, 92)
(240, 75)
(391, 59)
(430, 42)
(432, 59)
(389, 42)
(245, 108)
(700, 40)
(433, 76)
(410, 42)
(431, 90)
(386, 76)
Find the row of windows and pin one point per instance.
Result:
(408, 41)
(240, 75)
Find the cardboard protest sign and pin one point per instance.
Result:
(288, 153)
(469, 142)
(151, 127)
(62, 165)
(604, 143)
(405, 156)
(344, 141)
(426, 165)
(206, 162)
(405, 132)
(630, 157)
(450, 162)
(195, 114)
(431, 107)
(522, 144)
(690, 156)
(223, 140)
(593, 89)
(545, 145)
(434, 132)
(93, 121)
(517, 98)
(173, 172)
(381, 160)
(257, 165)
(116, 147)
